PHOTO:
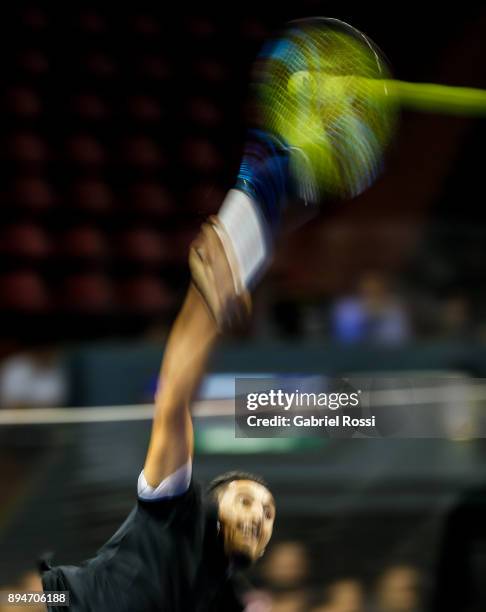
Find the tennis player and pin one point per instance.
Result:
(181, 549)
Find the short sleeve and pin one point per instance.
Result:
(175, 484)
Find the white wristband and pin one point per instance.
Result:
(246, 229)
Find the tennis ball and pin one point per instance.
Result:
(302, 83)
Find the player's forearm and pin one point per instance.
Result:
(188, 350)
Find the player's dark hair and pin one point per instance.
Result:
(220, 482)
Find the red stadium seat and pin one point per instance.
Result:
(34, 61)
(155, 67)
(88, 293)
(86, 150)
(23, 291)
(143, 152)
(90, 106)
(100, 64)
(145, 294)
(151, 198)
(211, 70)
(143, 246)
(23, 101)
(25, 240)
(32, 193)
(204, 112)
(144, 108)
(84, 242)
(28, 148)
(92, 195)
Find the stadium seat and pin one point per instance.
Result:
(154, 67)
(25, 240)
(33, 193)
(28, 148)
(23, 101)
(212, 70)
(87, 292)
(86, 150)
(84, 242)
(89, 106)
(144, 108)
(145, 294)
(142, 245)
(92, 195)
(150, 198)
(204, 112)
(143, 152)
(34, 62)
(23, 291)
(99, 64)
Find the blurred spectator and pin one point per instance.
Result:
(293, 601)
(344, 595)
(374, 315)
(33, 380)
(285, 574)
(29, 582)
(398, 590)
(257, 601)
(286, 566)
(455, 320)
(289, 601)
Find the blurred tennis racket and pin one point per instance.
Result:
(307, 94)
(324, 91)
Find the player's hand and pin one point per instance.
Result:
(215, 275)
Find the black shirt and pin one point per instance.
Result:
(166, 557)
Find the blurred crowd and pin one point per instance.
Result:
(291, 582)
(33, 379)
(376, 313)
(287, 582)
(379, 310)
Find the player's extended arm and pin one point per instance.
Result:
(191, 340)
(226, 259)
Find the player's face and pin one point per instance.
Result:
(246, 513)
